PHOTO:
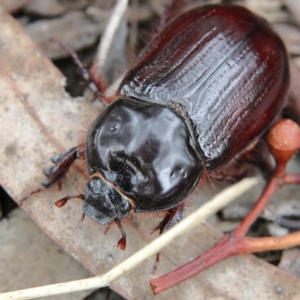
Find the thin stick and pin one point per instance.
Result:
(209, 208)
(109, 33)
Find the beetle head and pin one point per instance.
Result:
(103, 203)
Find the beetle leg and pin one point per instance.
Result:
(122, 242)
(96, 86)
(156, 263)
(55, 174)
(234, 175)
(172, 217)
(62, 163)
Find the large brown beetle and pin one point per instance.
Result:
(207, 86)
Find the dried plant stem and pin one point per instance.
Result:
(252, 245)
(228, 246)
(268, 192)
(209, 208)
(109, 33)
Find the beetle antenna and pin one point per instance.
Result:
(61, 202)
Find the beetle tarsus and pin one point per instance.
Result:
(96, 86)
(122, 242)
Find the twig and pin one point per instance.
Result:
(251, 245)
(226, 247)
(209, 208)
(109, 33)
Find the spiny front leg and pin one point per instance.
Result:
(62, 163)
(172, 217)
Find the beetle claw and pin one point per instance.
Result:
(49, 171)
(122, 242)
(55, 159)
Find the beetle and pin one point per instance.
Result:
(206, 87)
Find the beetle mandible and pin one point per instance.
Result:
(206, 87)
